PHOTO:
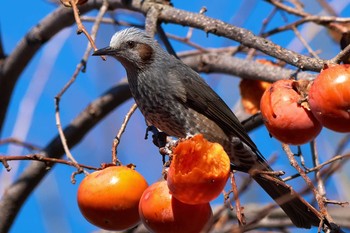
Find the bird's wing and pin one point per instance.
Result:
(197, 95)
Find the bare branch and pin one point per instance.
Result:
(241, 35)
(63, 17)
(330, 161)
(16, 141)
(120, 132)
(80, 67)
(226, 64)
(18, 192)
(40, 158)
(319, 198)
(204, 60)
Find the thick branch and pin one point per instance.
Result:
(241, 35)
(226, 64)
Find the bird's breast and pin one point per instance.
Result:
(164, 111)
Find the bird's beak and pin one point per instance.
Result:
(104, 51)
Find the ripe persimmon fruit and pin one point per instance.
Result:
(284, 115)
(109, 198)
(329, 97)
(162, 213)
(251, 90)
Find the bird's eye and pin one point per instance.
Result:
(131, 44)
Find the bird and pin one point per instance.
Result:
(176, 100)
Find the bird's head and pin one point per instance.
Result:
(132, 47)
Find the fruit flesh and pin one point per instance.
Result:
(198, 171)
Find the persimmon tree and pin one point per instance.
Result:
(196, 31)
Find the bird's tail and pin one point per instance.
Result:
(245, 157)
(301, 214)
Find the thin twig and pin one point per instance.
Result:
(60, 132)
(304, 42)
(297, 4)
(224, 50)
(340, 203)
(187, 41)
(19, 142)
(319, 198)
(328, 21)
(335, 158)
(227, 200)
(335, 167)
(41, 158)
(284, 28)
(81, 27)
(117, 138)
(80, 67)
(288, 9)
(239, 210)
(267, 20)
(327, 7)
(95, 27)
(187, 38)
(108, 20)
(316, 162)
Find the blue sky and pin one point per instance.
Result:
(52, 207)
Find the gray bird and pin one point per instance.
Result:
(176, 100)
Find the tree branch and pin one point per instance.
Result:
(63, 17)
(18, 192)
(226, 64)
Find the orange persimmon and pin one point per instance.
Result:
(162, 213)
(109, 198)
(252, 90)
(198, 171)
(285, 116)
(329, 98)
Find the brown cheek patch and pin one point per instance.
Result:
(145, 52)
